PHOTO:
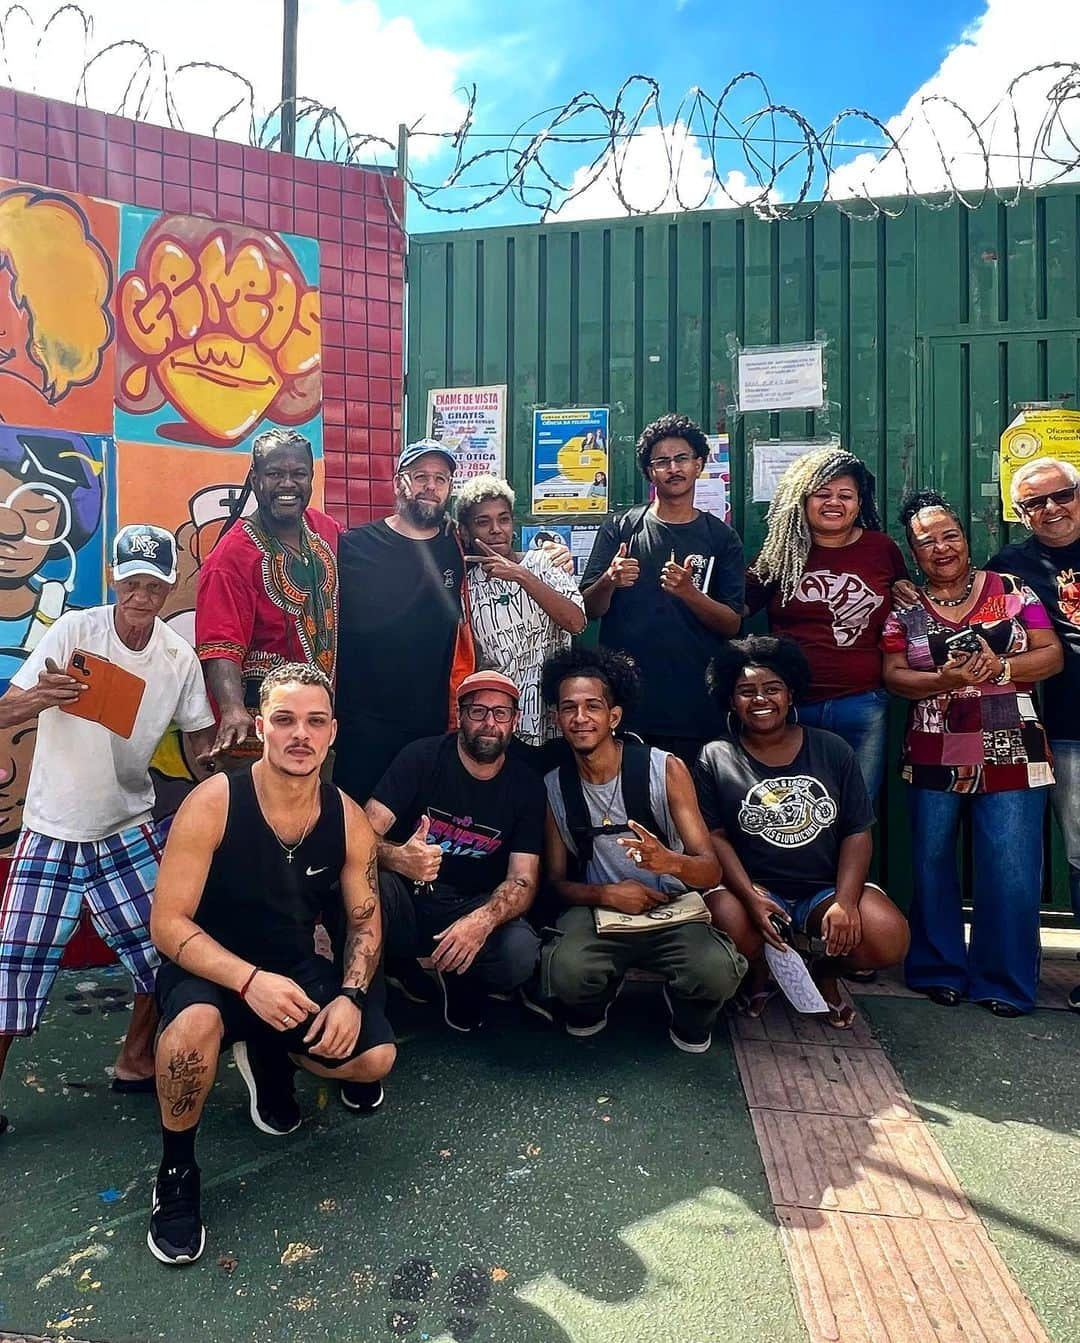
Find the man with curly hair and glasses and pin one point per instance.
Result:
(666, 582)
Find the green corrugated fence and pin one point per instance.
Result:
(936, 322)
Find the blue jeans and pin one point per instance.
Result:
(1002, 961)
(1066, 801)
(862, 721)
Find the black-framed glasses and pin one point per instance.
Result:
(476, 713)
(1038, 502)
(666, 463)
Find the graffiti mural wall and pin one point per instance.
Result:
(140, 354)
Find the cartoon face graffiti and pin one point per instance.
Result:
(50, 506)
(217, 320)
(55, 286)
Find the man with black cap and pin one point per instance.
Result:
(401, 622)
(468, 822)
(87, 834)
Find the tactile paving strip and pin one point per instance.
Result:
(882, 1244)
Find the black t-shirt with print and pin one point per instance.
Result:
(1053, 573)
(478, 822)
(400, 608)
(670, 645)
(786, 822)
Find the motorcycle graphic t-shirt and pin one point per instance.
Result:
(786, 822)
(478, 823)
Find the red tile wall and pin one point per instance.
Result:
(361, 249)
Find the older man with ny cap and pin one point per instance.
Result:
(460, 826)
(87, 834)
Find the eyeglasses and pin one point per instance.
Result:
(666, 463)
(477, 713)
(423, 478)
(1038, 502)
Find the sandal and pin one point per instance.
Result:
(841, 1015)
(756, 1003)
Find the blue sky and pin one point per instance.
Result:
(381, 62)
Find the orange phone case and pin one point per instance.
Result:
(114, 694)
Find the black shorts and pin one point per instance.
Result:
(177, 989)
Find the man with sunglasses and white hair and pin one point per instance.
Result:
(1046, 494)
(88, 835)
(460, 826)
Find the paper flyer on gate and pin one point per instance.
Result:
(471, 422)
(570, 461)
(577, 538)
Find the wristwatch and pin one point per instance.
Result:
(358, 997)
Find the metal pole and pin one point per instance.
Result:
(288, 77)
(403, 173)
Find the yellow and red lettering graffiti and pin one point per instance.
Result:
(218, 320)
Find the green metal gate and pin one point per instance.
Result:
(937, 321)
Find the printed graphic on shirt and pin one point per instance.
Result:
(461, 837)
(700, 567)
(851, 603)
(1068, 589)
(788, 812)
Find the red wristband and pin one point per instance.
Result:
(247, 982)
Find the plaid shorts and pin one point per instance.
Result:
(39, 912)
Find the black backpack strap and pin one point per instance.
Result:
(636, 758)
(636, 761)
(631, 523)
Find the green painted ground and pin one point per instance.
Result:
(1002, 1099)
(540, 1189)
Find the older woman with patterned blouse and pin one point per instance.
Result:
(967, 655)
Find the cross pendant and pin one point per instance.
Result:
(288, 857)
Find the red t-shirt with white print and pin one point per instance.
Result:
(837, 613)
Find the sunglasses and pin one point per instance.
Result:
(1038, 502)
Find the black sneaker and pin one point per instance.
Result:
(686, 1034)
(533, 1000)
(1074, 1006)
(268, 1075)
(177, 1234)
(3, 1123)
(362, 1097)
(411, 981)
(463, 1008)
(584, 1021)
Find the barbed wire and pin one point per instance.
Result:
(774, 161)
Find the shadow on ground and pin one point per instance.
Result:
(519, 1188)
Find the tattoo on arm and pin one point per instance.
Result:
(511, 898)
(183, 1083)
(372, 873)
(362, 946)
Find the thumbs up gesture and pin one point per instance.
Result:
(418, 858)
(677, 579)
(623, 571)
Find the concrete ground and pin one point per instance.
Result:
(525, 1187)
(520, 1188)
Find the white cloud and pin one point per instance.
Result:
(376, 72)
(1010, 37)
(654, 171)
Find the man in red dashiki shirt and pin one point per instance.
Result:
(268, 594)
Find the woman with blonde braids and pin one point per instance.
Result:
(825, 575)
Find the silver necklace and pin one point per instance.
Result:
(288, 849)
(955, 601)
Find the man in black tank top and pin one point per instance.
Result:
(253, 862)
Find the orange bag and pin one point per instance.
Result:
(463, 662)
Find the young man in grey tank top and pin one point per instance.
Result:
(631, 869)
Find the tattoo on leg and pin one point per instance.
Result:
(183, 1082)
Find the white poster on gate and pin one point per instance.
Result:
(471, 422)
(781, 377)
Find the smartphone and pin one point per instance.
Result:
(964, 643)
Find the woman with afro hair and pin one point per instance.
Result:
(790, 821)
